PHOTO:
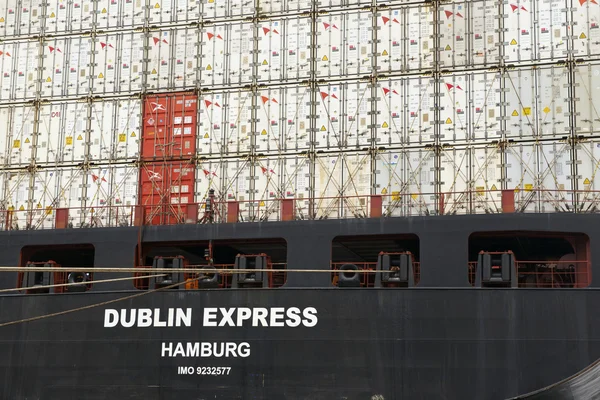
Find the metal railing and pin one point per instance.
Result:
(317, 208)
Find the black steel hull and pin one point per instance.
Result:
(417, 344)
(442, 339)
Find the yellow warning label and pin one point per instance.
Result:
(1, 19)
(39, 205)
(48, 79)
(395, 196)
(211, 1)
(582, 36)
(480, 190)
(11, 208)
(206, 135)
(449, 121)
(384, 191)
(264, 132)
(323, 129)
(493, 187)
(208, 67)
(526, 110)
(262, 203)
(414, 196)
(515, 113)
(48, 210)
(52, 15)
(69, 140)
(104, 11)
(547, 110)
(79, 137)
(586, 181)
(27, 140)
(21, 208)
(513, 42)
(528, 187)
(384, 125)
(325, 58)
(157, 5)
(132, 134)
(122, 137)
(16, 144)
(265, 62)
(154, 71)
(101, 75)
(448, 47)
(384, 53)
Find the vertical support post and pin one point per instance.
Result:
(61, 218)
(287, 209)
(233, 212)
(508, 201)
(376, 206)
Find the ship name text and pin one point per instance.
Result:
(212, 317)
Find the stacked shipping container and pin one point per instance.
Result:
(312, 101)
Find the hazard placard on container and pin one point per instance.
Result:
(493, 187)
(122, 137)
(21, 208)
(133, 134)
(384, 191)
(586, 181)
(528, 187)
(323, 128)
(395, 196)
(515, 113)
(384, 125)
(414, 196)
(547, 110)
(449, 120)
(16, 144)
(513, 42)
(526, 110)
(582, 36)
(157, 5)
(48, 79)
(448, 47)
(262, 203)
(104, 11)
(1, 19)
(27, 140)
(325, 58)
(208, 67)
(79, 137)
(69, 140)
(100, 75)
(206, 135)
(384, 53)
(52, 15)
(480, 190)
(264, 132)
(154, 71)
(48, 210)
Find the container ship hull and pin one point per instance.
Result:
(306, 339)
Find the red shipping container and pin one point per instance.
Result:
(169, 130)
(167, 191)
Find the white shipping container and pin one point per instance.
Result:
(535, 32)
(215, 9)
(115, 129)
(62, 133)
(174, 11)
(172, 58)
(342, 184)
(20, 70)
(537, 102)
(282, 117)
(343, 117)
(112, 14)
(62, 16)
(225, 122)
(17, 122)
(118, 63)
(293, 6)
(588, 182)
(20, 18)
(101, 197)
(344, 44)
(419, 33)
(586, 28)
(226, 54)
(284, 46)
(587, 100)
(66, 67)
